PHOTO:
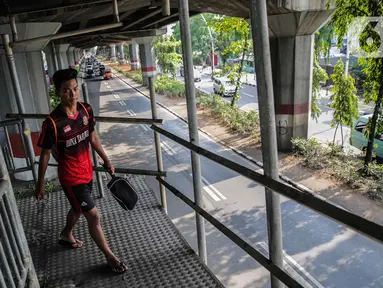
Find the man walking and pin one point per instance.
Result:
(67, 133)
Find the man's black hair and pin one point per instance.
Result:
(64, 75)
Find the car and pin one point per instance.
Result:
(359, 141)
(90, 73)
(224, 87)
(107, 74)
(197, 74)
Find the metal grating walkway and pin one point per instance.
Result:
(144, 238)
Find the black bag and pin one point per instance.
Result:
(123, 192)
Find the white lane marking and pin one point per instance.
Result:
(251, 96)
(128, 111)
(143, 127)
(213, 188)
(167, 149)
(209, 191)
(289, 261)
(132, 112)
(122, 103)
(116, 96)
(107, 86)
(106, 83)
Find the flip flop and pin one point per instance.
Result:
(74, 245)
(122, 268)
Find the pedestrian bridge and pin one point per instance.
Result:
(144, 238)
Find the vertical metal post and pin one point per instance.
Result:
(19, 102)
(192, 120)
(260, 33)
(10, 147)
(12, 22)
(100, 186)
(157, 142)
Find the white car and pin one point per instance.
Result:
(224, 87)
(197, 74)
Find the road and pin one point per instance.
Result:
(320, 129)
(322, 252)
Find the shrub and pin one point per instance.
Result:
(168, 86)
(233, 117)
(54, 100)
(311, 151)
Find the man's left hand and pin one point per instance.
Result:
(109, 166)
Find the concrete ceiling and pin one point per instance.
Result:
(80, 14)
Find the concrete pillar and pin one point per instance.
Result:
(122, 54)
(51, 61)
(61, 52)
(147, 57)
(70, 55)
(292, 47)
(113, 57)
(31, 74)
(134, 57)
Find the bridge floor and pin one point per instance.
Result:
(145, 239)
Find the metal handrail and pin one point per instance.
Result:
(355, 222)
(274, 269)
(101, 119)
(124, 170)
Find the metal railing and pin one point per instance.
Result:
(7, 148)
(16, 269)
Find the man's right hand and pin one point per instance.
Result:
(39, 193)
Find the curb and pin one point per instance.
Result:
(285, 179)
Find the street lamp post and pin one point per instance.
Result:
(212, 44)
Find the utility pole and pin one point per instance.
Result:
(211, 44)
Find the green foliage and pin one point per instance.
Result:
(344, 99)
(238, 120)
(201, 42)
(343, 166)
(167, 56)
(311, 151)
(346, 12)
(319, 75)
(323, 41)
(236, 31)
(170, 87)
(54, 100)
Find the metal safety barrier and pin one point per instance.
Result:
(7, 148)
(16, 268)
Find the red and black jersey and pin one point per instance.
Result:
(72, 143)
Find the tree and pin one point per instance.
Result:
(167, 56)
(346, 12)
(322, 48)
(200, 38)
(235, 30)
(344, 99)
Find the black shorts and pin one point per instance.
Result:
(80, 197)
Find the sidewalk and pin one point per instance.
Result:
(289, 165)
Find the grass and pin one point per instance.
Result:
(345, 166)
(246, 123)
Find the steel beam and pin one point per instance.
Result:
(67, 34)
(155, 12)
